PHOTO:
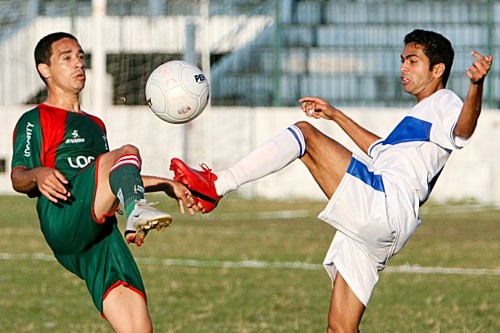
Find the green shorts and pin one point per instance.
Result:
(96, 252)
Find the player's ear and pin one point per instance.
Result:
(44, 70)
(438, 69)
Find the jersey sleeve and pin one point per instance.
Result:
(98, 121)
(448, 108)
(101, 124)
(27, 141)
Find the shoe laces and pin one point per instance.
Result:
(207, 170)
(145, 203)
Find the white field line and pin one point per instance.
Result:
(267, 265)
(281, 214)
(286, 214)
(457, 209)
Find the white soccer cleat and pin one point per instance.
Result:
(142, 219)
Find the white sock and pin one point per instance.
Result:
(266, 159)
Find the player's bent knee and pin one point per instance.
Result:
(116, 154)
(305, 126)
(128, 149)
(307, 130)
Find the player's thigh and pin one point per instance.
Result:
(126, 310)
(326, 159)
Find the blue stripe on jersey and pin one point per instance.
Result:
(360, 171)
(409, 129)
(299, 137)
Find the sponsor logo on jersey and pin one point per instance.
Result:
(75, 138)
(80, 162)
(29, 131)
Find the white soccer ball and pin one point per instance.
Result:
(177, 91)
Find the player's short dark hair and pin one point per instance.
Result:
(436, 47)
(43, 49)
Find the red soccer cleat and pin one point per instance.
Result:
(200, 183)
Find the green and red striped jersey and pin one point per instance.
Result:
(56, 138)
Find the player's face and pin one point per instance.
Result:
(416, 77)
(67, 66)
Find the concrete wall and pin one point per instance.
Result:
(220, 136)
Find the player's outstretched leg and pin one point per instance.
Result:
(201, 183)
(273, 155)
(142, 219)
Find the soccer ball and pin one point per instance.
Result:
(177, 92)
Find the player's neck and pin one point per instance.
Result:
(69, 104)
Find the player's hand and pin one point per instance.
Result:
(180, 192)
(51, 183)
(317, 107)
(480, 67)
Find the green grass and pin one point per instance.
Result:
(37, 295)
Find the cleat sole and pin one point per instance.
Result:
(138, 236)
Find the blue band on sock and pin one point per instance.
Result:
(299, 137)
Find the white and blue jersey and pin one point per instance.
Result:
(417, 149)
(376, 205)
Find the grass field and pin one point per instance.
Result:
(254, 266)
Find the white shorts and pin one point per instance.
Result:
(365, 237)
(357, 268)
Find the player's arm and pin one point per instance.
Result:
(319, 108)
(172, 188)
(50, 182)
(28, 175)
(467, 121)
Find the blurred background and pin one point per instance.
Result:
(261, 52)
(260, 56)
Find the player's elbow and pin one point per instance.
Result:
(20, 185)
(31, 191)
(20, 188)
(464, 132)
